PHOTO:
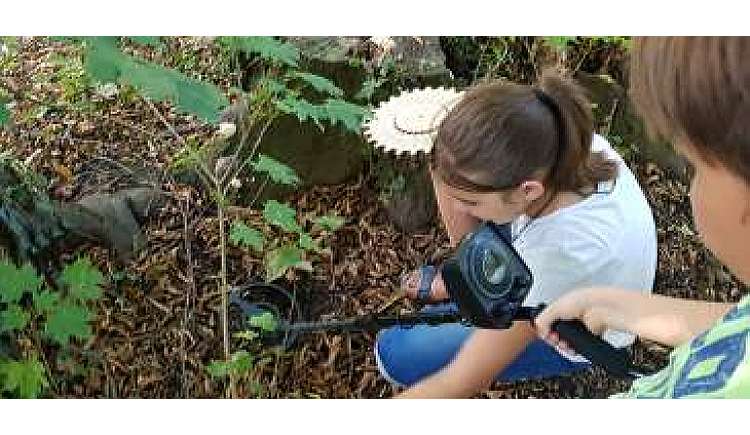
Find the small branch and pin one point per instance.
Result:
(224, 286)
(192, 290)
(250, 156)
(164, 121)
(610, 117)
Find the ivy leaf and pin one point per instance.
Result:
(330, 222)
(45, 301)
(282, 259)
(266, 322)
(14, 282)
(83, 280)
(68, 321)
(307, 243)
(241, 234)
(277, 171)
(267, 47)
(281, 215)
(320, 84)
(14, 318)
(27, 378)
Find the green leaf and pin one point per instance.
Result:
(26, 378)
(218, 369)
(103, 58)
(83, 280)
(68, 321)
(307, 243)
(282, 259)
(281, 215)
(334, 111)
(14, 318)
(241, 363)
(300, 108)
(162, 84)
(266, 322)
(330, 222)
(105, 62)
(152, 81)
(320, 84)
(153, 41)
(45, 301)
(202, 99)
(277, 171)
(241, 234)
(14, 282)
(4, 114)
(266, 47)
(348, 114)
(273, 86)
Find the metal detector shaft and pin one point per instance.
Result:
(372, 323)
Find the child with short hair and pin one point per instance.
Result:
(695, 92)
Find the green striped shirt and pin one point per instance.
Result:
(715, 364)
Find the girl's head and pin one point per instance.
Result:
(695, 92)
(504, 148)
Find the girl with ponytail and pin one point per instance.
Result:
(525, 155)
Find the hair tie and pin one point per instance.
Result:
(550, 103)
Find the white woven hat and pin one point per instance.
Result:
(408, 123)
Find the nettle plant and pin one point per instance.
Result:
(280, 87)
(35, 315)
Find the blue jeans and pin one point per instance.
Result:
(406, 355)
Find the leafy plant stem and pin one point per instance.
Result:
(224, 289)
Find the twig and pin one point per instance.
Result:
(250, 156)
(164, 121)
(610, 117)
(191, 289)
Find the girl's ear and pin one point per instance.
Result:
(531, 190)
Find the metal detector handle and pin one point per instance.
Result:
(615, 361)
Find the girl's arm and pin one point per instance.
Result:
(485, 354)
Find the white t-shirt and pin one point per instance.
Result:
(607, 239)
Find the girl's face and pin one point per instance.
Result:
(721, 210)
(498, 207)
